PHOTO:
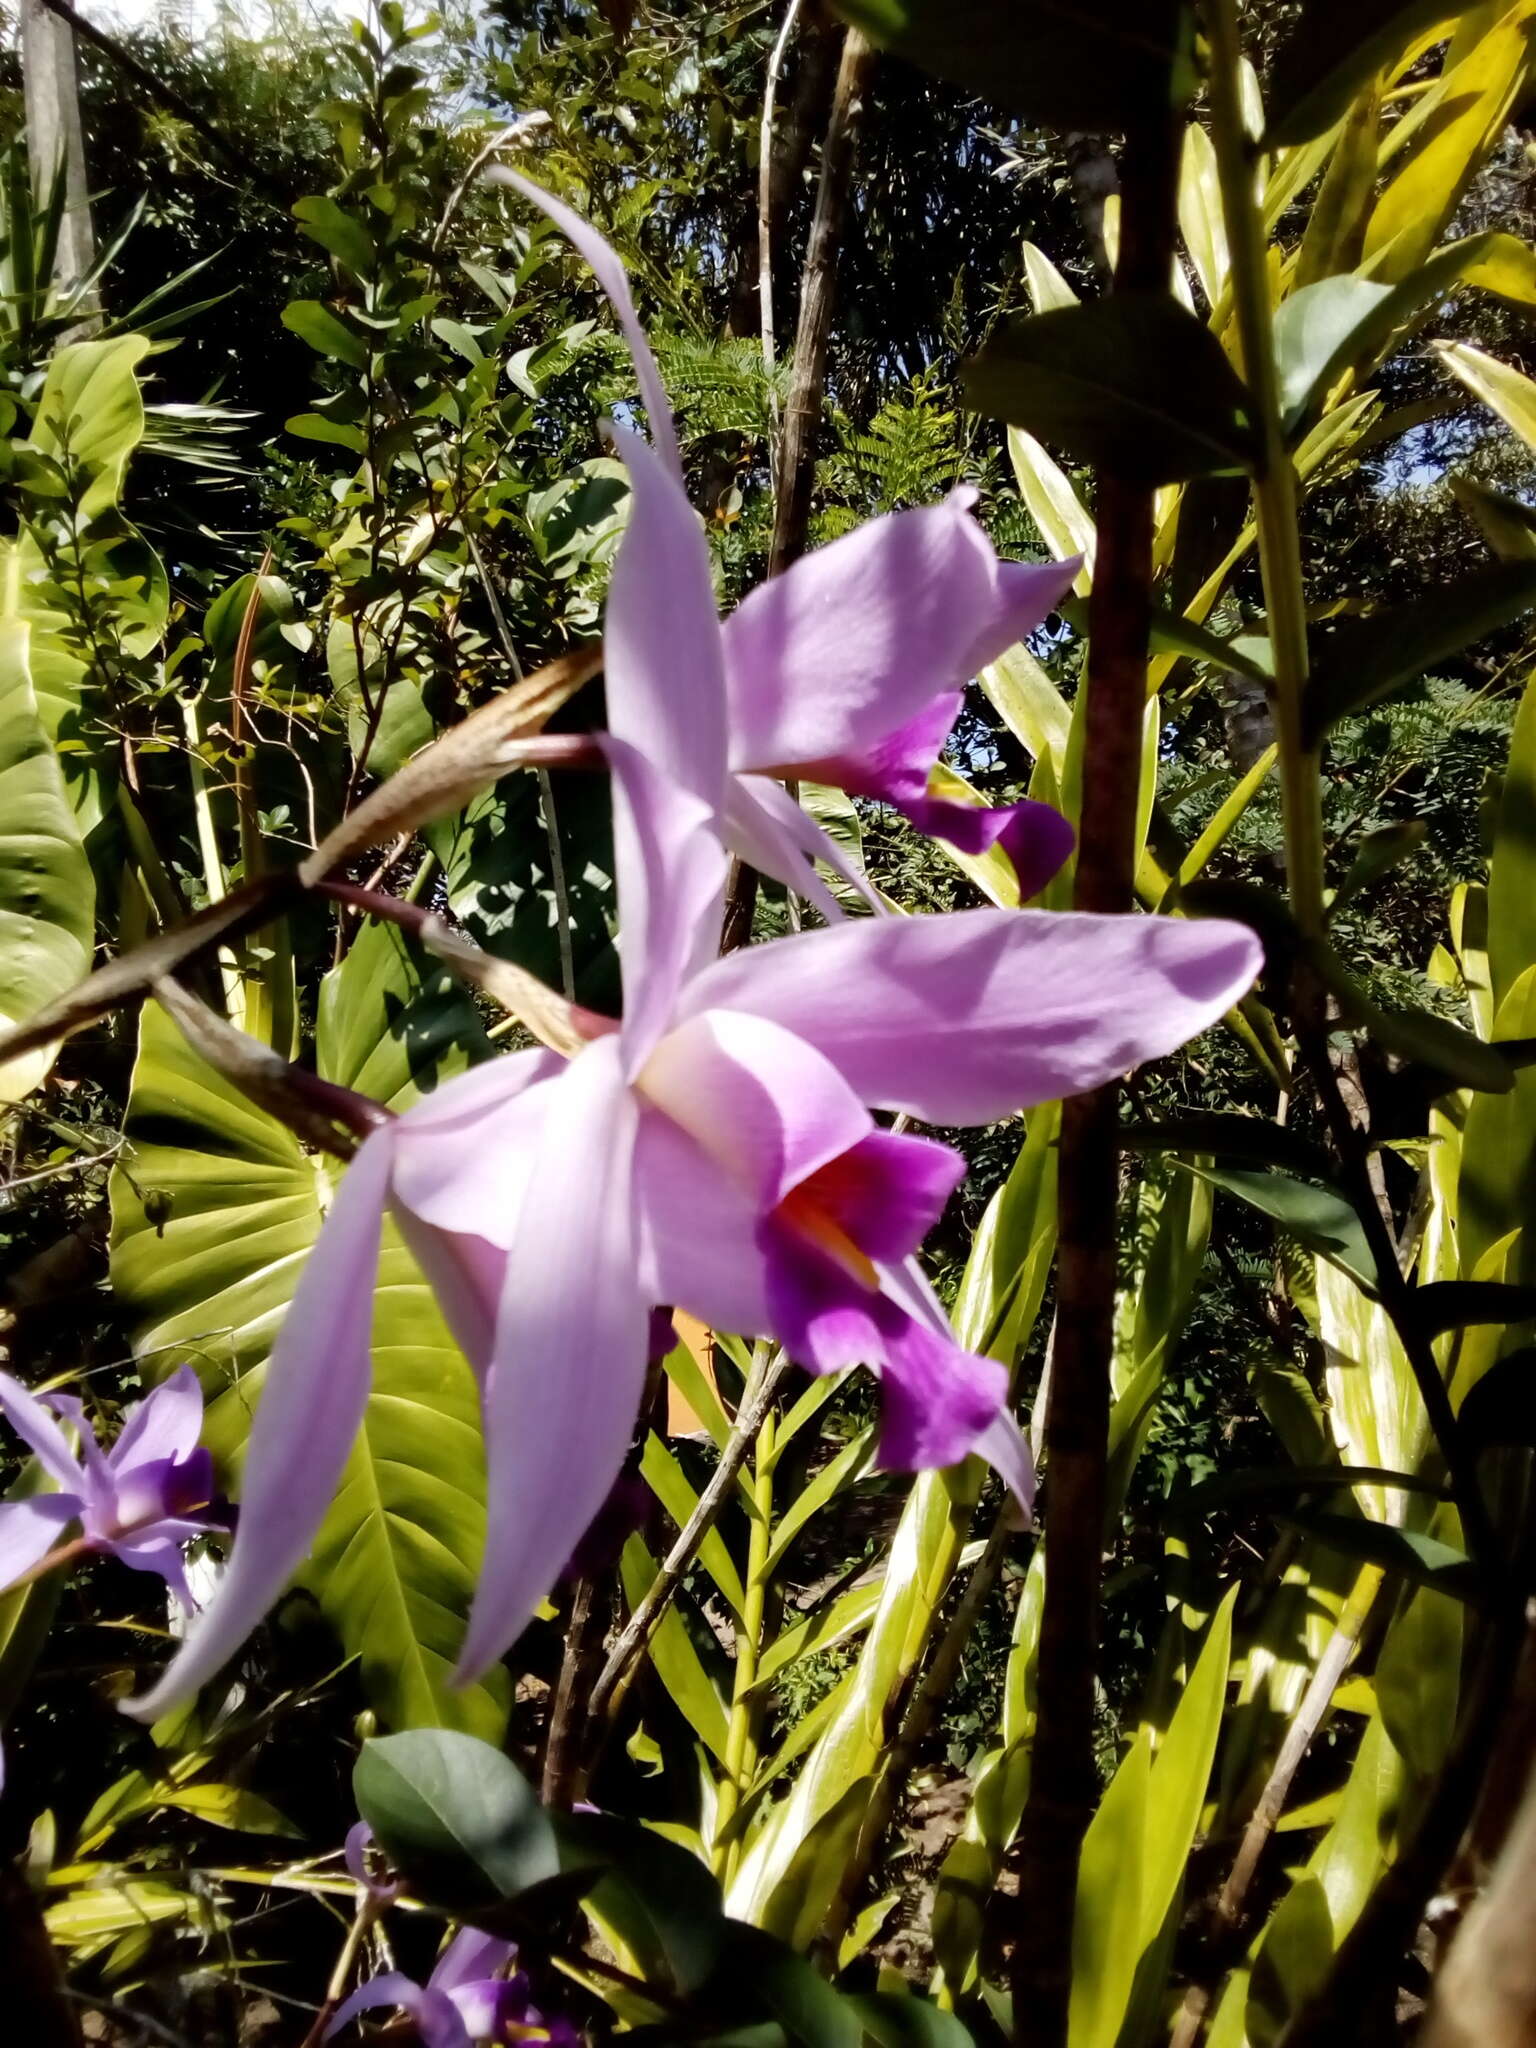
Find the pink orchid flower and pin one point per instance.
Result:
(715, 1150)
(137, 1502)
(466, 1999)
(850, 667)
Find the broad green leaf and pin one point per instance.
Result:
(91, 411)
(1376, 1414)
(1458, 123)
(1506, 391)
(1345, 324)
(1453, 1304)
(1030, 705)
(1421, 1560)
(1376, 854)
(1051, 501)
(339, 233)
(1097, 64)
(1317, 1217)
(454, 1816)
(213, 1217)
(1106, 1927)
(1133, 383)
(1363, 660)
(47, 895)
(318, 426)
(392, 1021)
(1314, 1917)
(654, 1894)
(326, 333)
(1418, 1671)
(1330, 54)
(1230, 1134)
(403, 725)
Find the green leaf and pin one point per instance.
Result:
(1363, 660)
(1453, 1304)
(1133, 383)
(1418, 1035)
(47, 894)
(1094, 65)
(91, 406)
(212, 1220)
(1345, 324)
(1508, 526)
(340, 234)
(1231, 1134)
(1004, 1280)
(1331, 53)
(1106, 1927)
(1376, 854)
(669, 1483)
(903, 2020)
(656, 1895)
(841, 1618)
(672, 1654)
(316, 426)
(1506, 391)
(326, 334)
(1420, 1559)
(1319, 1218)
(455, 1817)
(392, 1021)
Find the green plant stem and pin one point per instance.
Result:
(1275, 494)
(56, 1560)
(1064, 1784)
(746, 1708)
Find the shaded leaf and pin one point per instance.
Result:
(1133, 383)
(454, 1816)
(1319, 1218)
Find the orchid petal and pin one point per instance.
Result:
(860, 635)
(888, 1191)
(698, 1245)
(466, 1275)
(563, 1394)
(471, 1955)
(968, 1016)
(305, 1425)
(1037, 839)
(771, 833)
(28, 1528)
(464, 1168)
(671, 874)
(937, 1401)
(663, 661)
(165, 1424)
(98, 1473)
(40, 1432)
(603, 261)
(434, 2013)
(758, 1099)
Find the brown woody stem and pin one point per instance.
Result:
(1063, 1777)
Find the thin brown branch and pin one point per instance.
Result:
(1063, 1777)
(795, 466)
(614, 1678)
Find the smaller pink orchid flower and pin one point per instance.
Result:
(467, 2000)
(138, 1502)
(849, 668)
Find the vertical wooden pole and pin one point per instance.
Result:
(55, 135)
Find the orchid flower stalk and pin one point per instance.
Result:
(715, 1149)
(138, 1502)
